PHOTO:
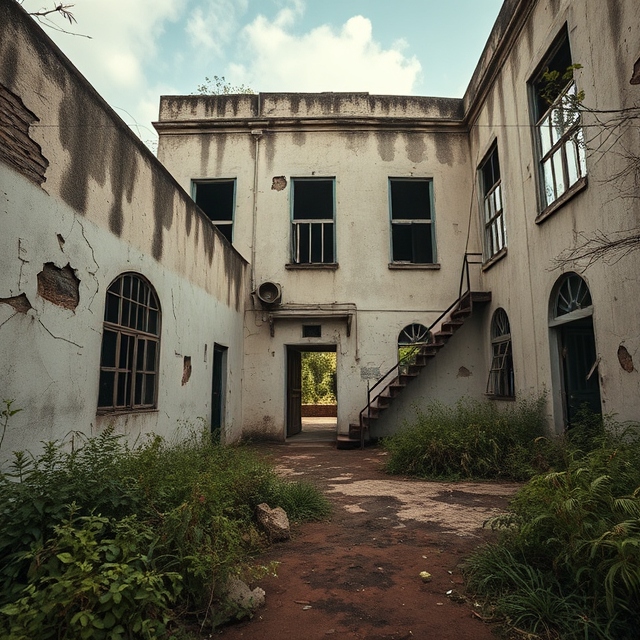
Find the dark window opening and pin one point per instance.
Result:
(559, 62)
(311, 331)
(495, 235)
(313, 218)
(130, 346)
(216, 199)
(412, 234)
(561, 143)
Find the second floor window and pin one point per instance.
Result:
(412, 230)
(217, 199)
(313, 213)
(495, 235)
(560, 139)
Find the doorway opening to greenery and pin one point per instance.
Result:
(312, 404)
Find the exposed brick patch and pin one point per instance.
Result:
(60, 286)
(278, 183)
(16, 147)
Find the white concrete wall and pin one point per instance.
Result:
(604, 39)
(107, 206)
(361, 159)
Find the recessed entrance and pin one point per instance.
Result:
(572, 329)
(311, 393)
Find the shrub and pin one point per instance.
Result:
(473, 440)
(568, 561)
(168, 522)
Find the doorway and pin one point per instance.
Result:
(218, 385)
(311, 393)
(572, 325)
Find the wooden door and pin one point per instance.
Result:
(294, 391)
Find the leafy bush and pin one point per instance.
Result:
(153, 532)
(318, 377)
(568, 561)
(473, 440)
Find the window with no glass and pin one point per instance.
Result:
(217, 199)
(130, 346)
(313, 213)
(561, 144)
(412, 230)
(495, 236)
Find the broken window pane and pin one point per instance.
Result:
(490, 183)
(557, 119)
(216, 198)
(501, 382)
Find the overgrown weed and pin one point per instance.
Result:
(174, 520)
(473, 439)
(568, 561)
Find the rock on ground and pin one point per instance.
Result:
(274, 522)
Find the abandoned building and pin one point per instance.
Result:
(148, 292)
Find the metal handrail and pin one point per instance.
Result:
(464, 276)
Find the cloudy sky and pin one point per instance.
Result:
(141, 49)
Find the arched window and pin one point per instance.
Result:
(573, 295)
(130, 346)
(501, 378)
(409, 341)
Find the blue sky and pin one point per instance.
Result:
(141, 49)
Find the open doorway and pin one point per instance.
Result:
(312, 404)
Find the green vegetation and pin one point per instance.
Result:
(567, 564)
(473, 440)
(318, 377)
(568, 561)
(105, 541)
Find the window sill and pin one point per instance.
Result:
(323, 266)
(124, 412)
(410, 266)
(579, 186)
(494, 259)
(490, 396)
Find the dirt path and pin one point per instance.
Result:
(357, 576)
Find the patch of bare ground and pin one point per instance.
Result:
(357, 575)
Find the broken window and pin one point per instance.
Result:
(495, 235)
(561, 144)
(130, 346)
(412, 230)
(501, 379)
(313, 213)
(217, 199)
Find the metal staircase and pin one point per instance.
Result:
(391, 384)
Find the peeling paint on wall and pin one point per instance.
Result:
(20, 303)
(60, 286)
(186, 370)
(463, 372)
(625, 359)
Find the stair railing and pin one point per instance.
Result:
(465, 279)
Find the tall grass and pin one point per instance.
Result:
(473, 439)
(178, 519)
(568, 561)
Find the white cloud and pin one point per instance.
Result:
(322, 59)
(213, 26)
